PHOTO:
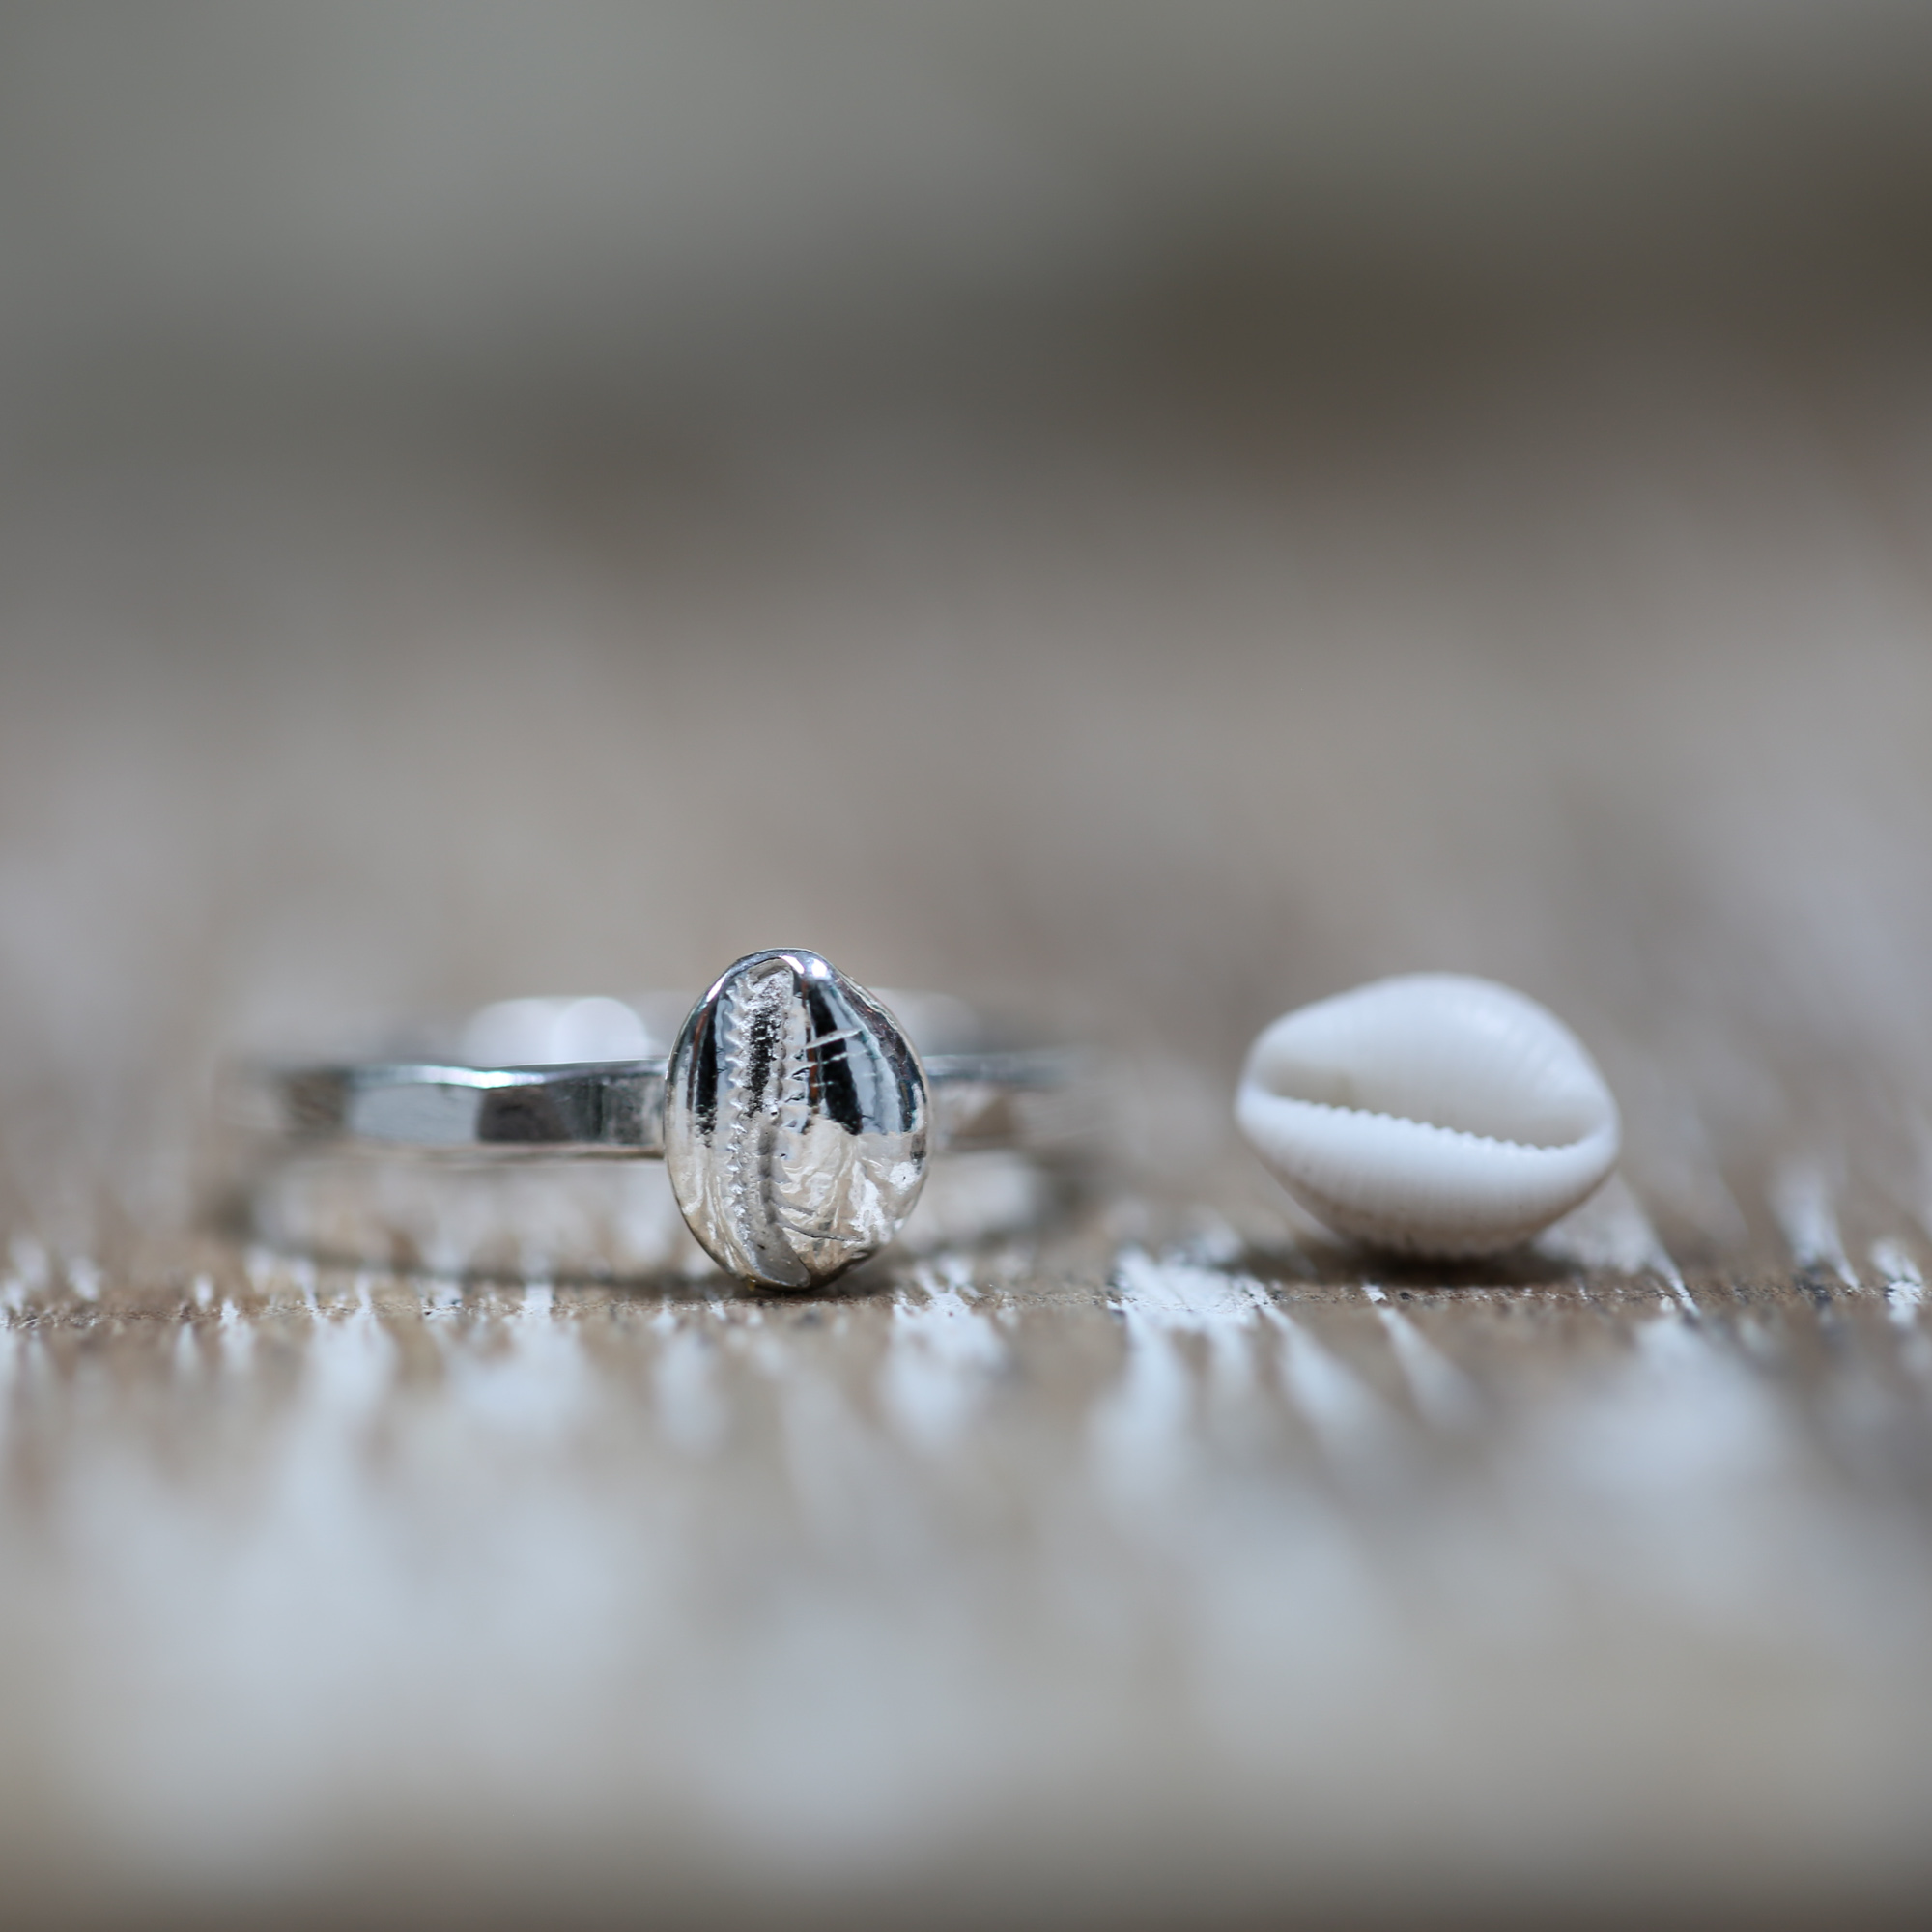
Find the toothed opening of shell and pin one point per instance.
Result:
(1443, 1051)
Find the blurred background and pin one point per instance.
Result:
(1155, 511)
(1146, 514)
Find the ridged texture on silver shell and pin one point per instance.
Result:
(795, 1122)
(1433, 1113)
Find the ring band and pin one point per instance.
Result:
(616, 1109)
(795, 1114)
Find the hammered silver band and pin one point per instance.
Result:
(795, 1114)
(1016, 1097)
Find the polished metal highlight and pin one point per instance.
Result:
(795, 1125)
(606, 1108)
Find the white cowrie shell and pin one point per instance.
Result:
(1433, 1113)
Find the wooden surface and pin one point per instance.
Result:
(1166, 1564)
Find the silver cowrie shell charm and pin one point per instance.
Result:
(795, 1122)
(1433, 1113)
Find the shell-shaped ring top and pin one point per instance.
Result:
(795, 1121)
(1434, 1113)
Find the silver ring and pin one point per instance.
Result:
(794, 1114)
